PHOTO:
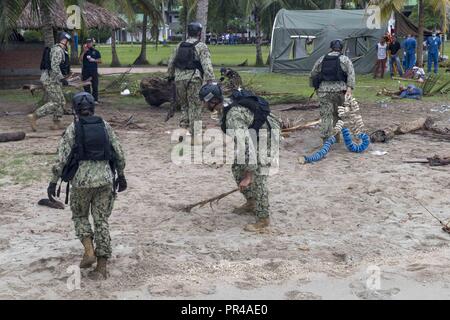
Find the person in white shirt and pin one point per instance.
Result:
(380, 65)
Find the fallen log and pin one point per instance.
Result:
(435, 161)
(388, 133)
(73, 82)
(12, 136)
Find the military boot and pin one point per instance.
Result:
(248, 208)
(57, 125)
(100, 272)
(33, 121)
(260, 225)
(89, 254)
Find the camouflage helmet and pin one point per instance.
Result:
(83, 101)
(210, 91)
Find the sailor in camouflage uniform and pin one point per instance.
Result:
(333, 76)
(239, 119)
(190, 72)
(231, 79)
(92, 190)
(53, 80)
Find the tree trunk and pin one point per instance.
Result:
(47, 28)
(338, 4)
(115, 59)
(142, 59)
(73, 51)
(259, 58)
(186, 19)
(420, 35)
(202, 16)
(163, 12)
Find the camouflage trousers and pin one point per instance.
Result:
(99, 203)
(329, 103)
(55, 102)
(191, 105)
(257, 191)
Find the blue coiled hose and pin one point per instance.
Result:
(353, 147)
(319, 155)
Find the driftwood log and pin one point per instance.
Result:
(12, 136)
(72, 82)
(156, 91)
(388, 133)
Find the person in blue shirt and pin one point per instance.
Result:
(433, 46)
(410, 46)
(409, 92)
(90, 57)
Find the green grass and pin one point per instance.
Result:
(23, 168)
(221, 55)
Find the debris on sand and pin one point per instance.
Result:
(51, 204)
(12, 136)
(203, 203)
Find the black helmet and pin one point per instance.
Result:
(64, 35)
(194, 28)
(223, 71)
(209, 91)
(337, 45)
(83, 101)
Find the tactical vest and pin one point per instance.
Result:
(46, 62)
(65, 64)
(257, 105)
(331, 69)
(186, 58)
(92, 140)
(91, 144)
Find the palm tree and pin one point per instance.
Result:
(255, 8)
(202, 15)
(11, 10)
(387, 7)
(150, 8)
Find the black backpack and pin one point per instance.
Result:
(186, 58)
(46, 63)
(257, 105)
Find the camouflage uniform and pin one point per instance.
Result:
(92, 190)
(189, 82)
(332, 94)
(242, 118)
(52, 85)
(233, 80)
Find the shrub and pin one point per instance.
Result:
(32, 36)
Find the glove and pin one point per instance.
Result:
(64, 82)
(51, 191)
(122, 183)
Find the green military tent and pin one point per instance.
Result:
(300, 37)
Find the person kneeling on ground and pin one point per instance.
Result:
(247, 117)
(89, 156)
